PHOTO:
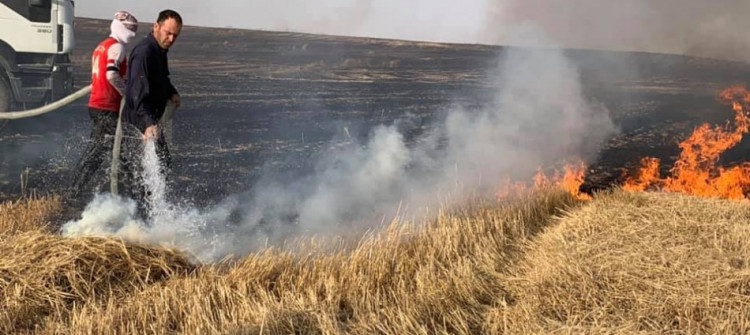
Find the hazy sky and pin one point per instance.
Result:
(715, 28)
(420, 19)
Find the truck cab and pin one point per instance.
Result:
(36, 39)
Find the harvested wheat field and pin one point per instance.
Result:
(27, 214)
(622, 263)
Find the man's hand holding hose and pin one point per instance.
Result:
(151, 133)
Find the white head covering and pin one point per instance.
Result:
(123, 27)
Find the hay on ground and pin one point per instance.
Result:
(43, 275)
(635, 263)
(28, 214)
(406, 279)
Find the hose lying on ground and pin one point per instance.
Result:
(47, 108)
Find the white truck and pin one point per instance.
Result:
(36, 39)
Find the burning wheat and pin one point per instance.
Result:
(696, 172)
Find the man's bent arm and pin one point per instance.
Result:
(115, 56)
(116, 81)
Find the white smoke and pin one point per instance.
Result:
(107, 215)
(168, 224)
(540, 117)
(693, 27)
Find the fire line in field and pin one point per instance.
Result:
(696, 172)
(569, 179)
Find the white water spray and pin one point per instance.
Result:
(166, 224)
(153, 180)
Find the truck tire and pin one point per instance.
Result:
(5, 99)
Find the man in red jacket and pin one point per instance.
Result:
(108, 69)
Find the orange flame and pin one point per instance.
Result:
(509, 188)
(696, 171)
(570, 180)
(648, 174)
(573, 179)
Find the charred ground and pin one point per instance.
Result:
(259, 102)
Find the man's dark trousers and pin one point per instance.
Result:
(98, 149)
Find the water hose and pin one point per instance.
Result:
(166, 122)
(46, 108)
(114, 169)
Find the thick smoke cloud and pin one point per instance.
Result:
(695, 27)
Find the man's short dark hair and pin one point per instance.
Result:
(169, 14)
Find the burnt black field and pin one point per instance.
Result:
(267, 103)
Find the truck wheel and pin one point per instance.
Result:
(5, 99)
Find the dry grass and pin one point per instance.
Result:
(43, 276)
(621, 264)
(29, 214)
(635, 263)
(440, 278)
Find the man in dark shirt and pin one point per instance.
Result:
(148, 90)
